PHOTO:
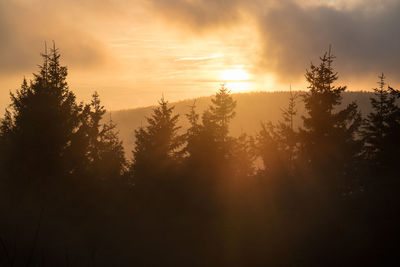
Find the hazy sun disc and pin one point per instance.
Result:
(234, 75)
(236, 80)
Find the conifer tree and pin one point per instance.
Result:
(42, 120)
(216, 122)
(288, 136)
(243, 156)
(220, 113)
(328, 136)
(212, 141)
(6, 127)
(158, 145)
(381, 127)
(209, 148)
(277, 143)
(192, 136)
(105, 150)
(111, 162)
(268, 148)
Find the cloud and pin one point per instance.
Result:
(365, 41)
(199, 14)
(199, 58)
(290, 33)
(25, 26)
(364, 34)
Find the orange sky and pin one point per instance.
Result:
(132, 52)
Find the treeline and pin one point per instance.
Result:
(326, 193)
(252, 108)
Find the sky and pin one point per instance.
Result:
(132, 52)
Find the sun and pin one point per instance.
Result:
(237, 74)
(236, 80)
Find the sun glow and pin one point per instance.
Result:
(236, 80)
(238, 74)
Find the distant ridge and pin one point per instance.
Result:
(252, 109)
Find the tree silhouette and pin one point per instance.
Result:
(106, 153)
(328, 136)
(220, 114)
(158, 145)
(41, 122)
(381, 127)
(6, 149)
(209, 145)
(243, 155)
(193, 132)
(277, 144)
(288, 136)
(268, 148)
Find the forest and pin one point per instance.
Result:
(315, 189)
(252, 108)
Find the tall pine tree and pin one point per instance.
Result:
(158, 146)
(328, 138)
(42, 119)
(381, 128)
(277, 144)
(105, 152)
(209, 145)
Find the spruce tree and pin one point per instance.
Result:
(42, 120)
(192, 136)
(328, 140)
(209, 145)
(6, 150)
(158, 146)
(220, 113)
(288, 136)
(216, 121)
(268, 148)
(105, 150)
(381, 127)
(243, 156)
(277, 144)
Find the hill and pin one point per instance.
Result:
(252, 109)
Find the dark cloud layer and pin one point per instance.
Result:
(365, 41)
(365, 35)
(199, 14)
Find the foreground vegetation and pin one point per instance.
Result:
(325, 194)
